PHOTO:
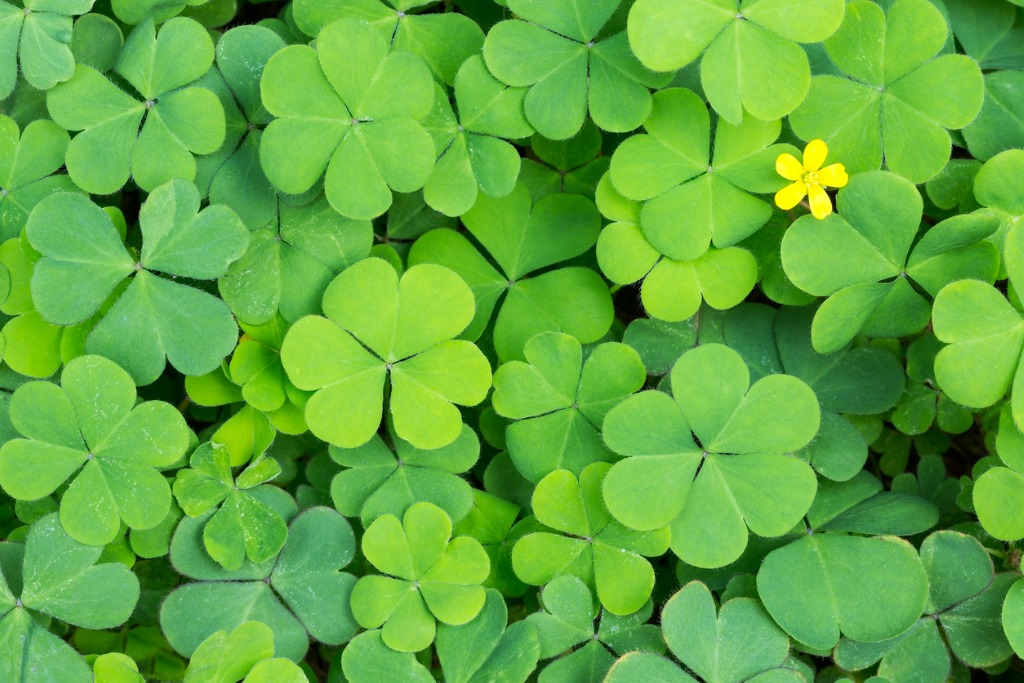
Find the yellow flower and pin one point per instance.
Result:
(809, 179)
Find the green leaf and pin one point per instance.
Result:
(180, 121)
(119, 444)
(158, 318)
(368, 660)
(699, 635)
(28, 160)
(62, 579)
(349, 122)
(670, 168)
(227, 658)
(114, 667)
(644, 666)
(377, 481)
(965, 600)
(820, 586)
(242, 526)
(999, 126)
(28, 649)
(429, 372)
(89, 259)
(484, 648)
(759, 40)
(888, 108)
(439, 578)
(472, 157)
(595, 548)
(320, 543)
(555, 51)
(742, 456)
(81, 245)
(985, 334)
(868, 289)
(308, 574)
(567, 621)
(289, 264)
(559, 401)
(566, 224)
(179, 239)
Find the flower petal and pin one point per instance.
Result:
(833, 176)
(790, 196)
(789, 167)
(821, 203)
(814, 155)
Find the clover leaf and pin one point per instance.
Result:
(671, 290)
(573, 166)
(256, 367)
(37, 38)
(558, 50)
(89, 430)
(739, 477)
(28, 162)
(242, 526)
(1013, 607)
(114, 667)
(984, 333)
(32, 346)
(867, 262)
(53, 575)
(751, 61)
(558, 401)
(492, 521)
(177, 120)
(645, 666)
(895, 98)
(669, 169)
(473, 156)
(305, 576)
(985, 30)
(996, 488)
(291, 260)
(351, 108)
(736, 643)
(368, 660)
(997, 187)
(591, 546)
(429, 577)
(358, 347)
(857, 381)
(483, 648)
(571, 299)
(444, 41)
(961, 619)
(821, 585)
(154, 318)
(60, 577)
(377, 481)
(923, 403)
(246, 653)
(139, 11)
(232, 175)
(97, 41)
(999, 126)
(565, 628)
(248, 433)
(860, 505)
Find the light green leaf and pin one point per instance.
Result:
(820, 586)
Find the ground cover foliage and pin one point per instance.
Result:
(511, 340)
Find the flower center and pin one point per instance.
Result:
(811, 178)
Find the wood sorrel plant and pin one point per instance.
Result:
(572, 341)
